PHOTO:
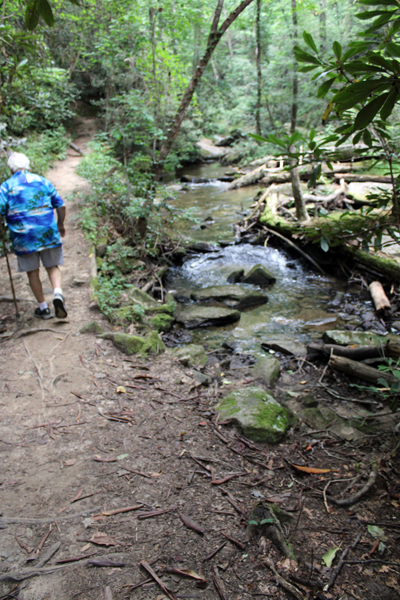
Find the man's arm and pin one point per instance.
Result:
(60, 219)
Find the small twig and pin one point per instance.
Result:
(215, 551)
(25, 332)
(148, 568)
(50, 552)
(328, 510)
(282, 582)
(219, 585)
(236, 542)
(339, 566)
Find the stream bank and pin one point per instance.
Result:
(111, 461)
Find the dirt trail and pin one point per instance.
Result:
(72, 449)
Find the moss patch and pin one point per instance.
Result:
(162, 322)
(257, 414)
(91, 327)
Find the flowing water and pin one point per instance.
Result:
(299, 306)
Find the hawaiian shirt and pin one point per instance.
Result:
(27, 201)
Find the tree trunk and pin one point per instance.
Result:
(213, 39)
(322, 25)
(258, 64)
(301, 211)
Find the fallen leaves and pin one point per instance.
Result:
(190, 524)
(329, 556)
(312, 470)
(102, 539)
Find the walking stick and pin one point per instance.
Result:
(9, 270)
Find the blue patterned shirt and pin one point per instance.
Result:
(27, 201)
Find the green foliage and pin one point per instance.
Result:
(389, 392)
(108, 293)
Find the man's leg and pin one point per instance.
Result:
(36, 285)
(43, 312)
(54, 274)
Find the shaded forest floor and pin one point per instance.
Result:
(94, 482)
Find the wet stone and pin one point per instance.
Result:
(232, 296)
(285, 346)
(356, 338)
(235, 276)
(193, 316)
(259, 275)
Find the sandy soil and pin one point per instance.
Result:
(74, 451)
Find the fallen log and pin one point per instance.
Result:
(359, 370)
(381, 301)
(329, 197)
(358, 353)
(77, 149)
(361, 178)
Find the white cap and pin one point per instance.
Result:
(18, 162)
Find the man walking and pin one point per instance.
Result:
(28, 201)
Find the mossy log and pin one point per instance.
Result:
(334, 226)
(359, 370)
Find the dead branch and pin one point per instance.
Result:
(12, 520)
(76, 148)
(359, 370)
(381, 301)
(299, 250)
(148, 568)
(340, 564)
(358, 495)
(282, 582)
(219, 585)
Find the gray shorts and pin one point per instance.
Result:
(52, 257)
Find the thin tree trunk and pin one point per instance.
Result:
(258, 64)
(228, 37)
(216, 76)
(301, 211)
(322, 25)
(156, 88)
(213, 39)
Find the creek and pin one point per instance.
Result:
(300, 302)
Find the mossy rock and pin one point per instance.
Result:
(137, 296)
(134, 344)
(257, 414)
(162, 322)
(191, 355)
(92, 327)
(357, 338)
(153, 344)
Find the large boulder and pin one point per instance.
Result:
(232, 296)
(257, 414)
(359, 190)
(259, 275)
(193, 316)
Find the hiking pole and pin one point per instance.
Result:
(9, 270)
